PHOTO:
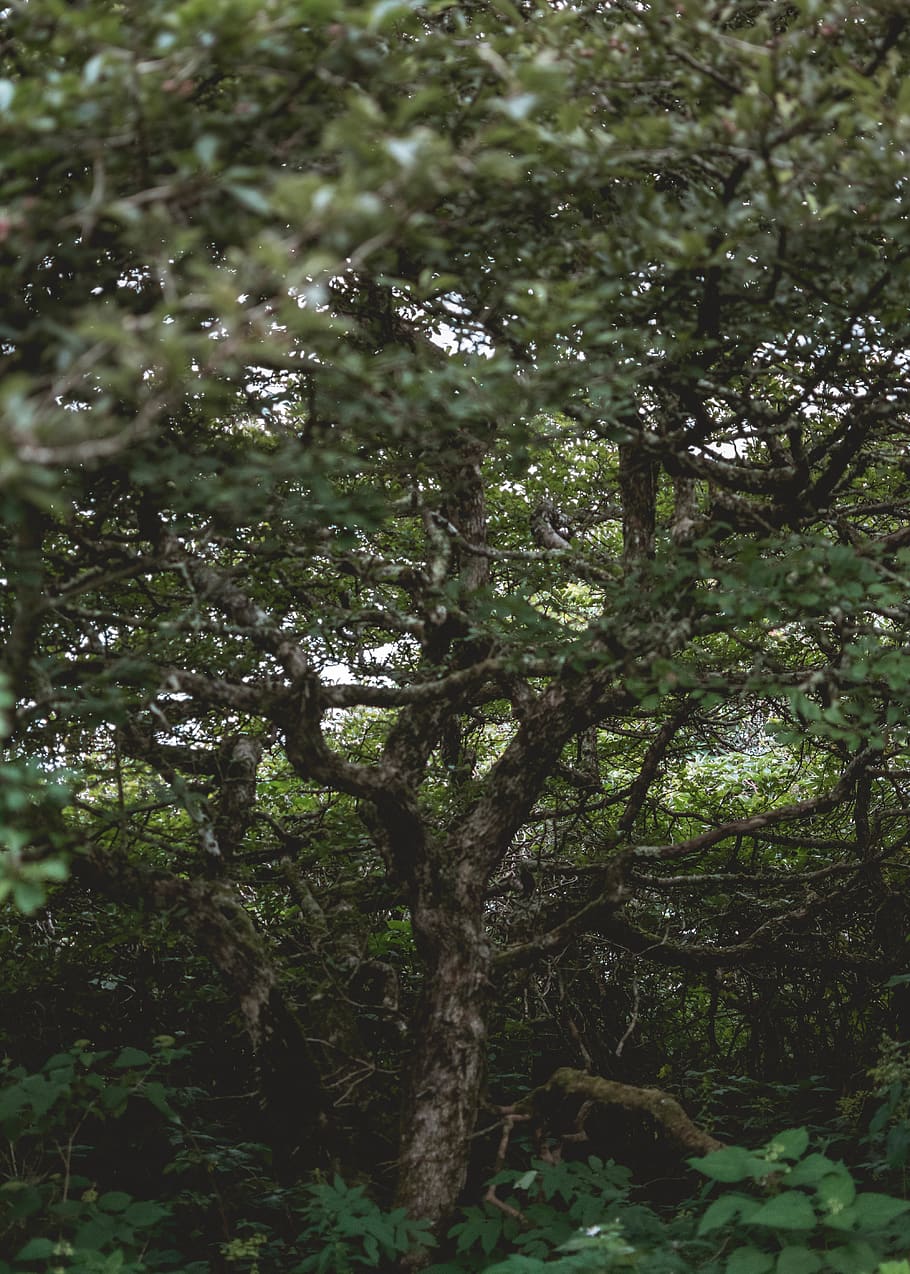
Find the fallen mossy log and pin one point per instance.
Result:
(567, 1088)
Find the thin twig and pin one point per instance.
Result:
(633, 1022)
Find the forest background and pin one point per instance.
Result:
(455, 484)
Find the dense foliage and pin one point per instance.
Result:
(455, 529)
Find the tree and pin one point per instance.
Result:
(437, 440)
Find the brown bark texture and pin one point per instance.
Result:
(446, 1069)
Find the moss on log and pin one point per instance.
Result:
(663, 1109)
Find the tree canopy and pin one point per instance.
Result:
(455, 483)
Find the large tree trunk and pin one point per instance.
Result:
(447, 1066)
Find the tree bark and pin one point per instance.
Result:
(638, 489)
(447, 1066)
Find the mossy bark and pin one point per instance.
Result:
(654, 1103)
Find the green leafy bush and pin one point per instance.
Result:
(544, 1207)
(571, 1216)
(62, 1211)
(786, 1208)
(782, 1209)
(799, 1213)
(56, 1213)
(345, 1230)
(888, 1136)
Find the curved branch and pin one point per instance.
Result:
(486, 677)
(763, 946)
(742, 826)
(588, 917)
(649, 768)
(665, 1110)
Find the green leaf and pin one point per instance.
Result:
(28, 896)
(115, 1096)
(724, 1210)
(788, 1211)
(836, 1191)
(145, 1214)
(115, 1201)
(873, 1211)
(130, 1057)
(857, 1257)
(387, 10)
(733, 1163)
(251, 198)
(36, 1250)
(156, 1093)
(477, 1228)
(206, 148)
(55, 869)
(96, 1233)
(797, 1260)
(813, 1169)
(519, 1264)
(20, 1200)
(749, 1260)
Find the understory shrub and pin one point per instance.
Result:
(782, 1209)
(69, 1205)
(64, 1205)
